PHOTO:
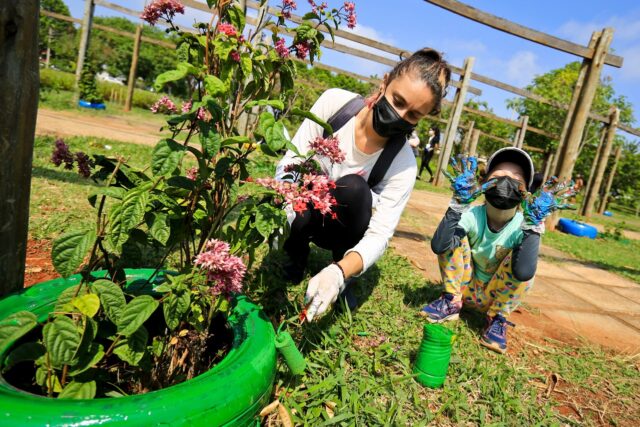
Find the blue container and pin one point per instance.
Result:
(94, 105)
(607, 213)
(577, 228)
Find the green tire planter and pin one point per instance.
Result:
(230, 394)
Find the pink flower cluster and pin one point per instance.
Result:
(287, 7)
(281, 48)
(235, 56)
(313, 189)
(224, 271)
(164, 106)
(192, 173)
(227, 29)
(186, 106)
(317, 8)
(302, 49)
(161, 8)
(62, 154)
(350, 8)
(328, 147)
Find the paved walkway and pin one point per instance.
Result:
(570, 298)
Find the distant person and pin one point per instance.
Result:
(488, 253)
(414, 143)
(428, 151)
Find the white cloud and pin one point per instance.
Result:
(631, 67)
(626, 29)
(522, 67)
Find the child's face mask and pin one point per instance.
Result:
(505, 195)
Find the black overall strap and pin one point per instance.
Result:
(390, 150)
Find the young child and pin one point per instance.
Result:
(488, 254)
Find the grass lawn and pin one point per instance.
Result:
(618, 256)
(359, 364)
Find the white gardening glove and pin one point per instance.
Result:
(323, 290)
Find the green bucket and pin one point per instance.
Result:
(434, 354)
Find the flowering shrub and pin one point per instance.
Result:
(178, 210)
(62, 154)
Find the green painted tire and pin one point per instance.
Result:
(230, 394)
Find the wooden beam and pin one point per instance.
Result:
(473, 144)
(583, 105)
(454, 119)
(467, 138)
(131, 84)
(19, 80)
(602, 164)
(522, 132)
(145, 39)
(523, 32)
(596, 158)
(612, 174)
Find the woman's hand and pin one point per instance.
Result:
(464, 183)
(323, 290)
(552, 196)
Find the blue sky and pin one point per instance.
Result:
(413, 24)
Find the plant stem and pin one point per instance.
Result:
(65, 369)
(112, 346)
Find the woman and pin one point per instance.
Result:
(488, 254)
(378, 173)
(429, 150)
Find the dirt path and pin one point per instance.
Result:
(120, 128)
(570, 300)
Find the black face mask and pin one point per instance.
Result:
(505, 195)
(387, 122)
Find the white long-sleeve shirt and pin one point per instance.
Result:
(390, 195)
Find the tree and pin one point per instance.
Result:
(63, 41)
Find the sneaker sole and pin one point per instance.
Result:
(445, 319)
(493, 346)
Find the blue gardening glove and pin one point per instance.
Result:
(464, 183)
(552, 196)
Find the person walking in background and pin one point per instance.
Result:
(429, 150)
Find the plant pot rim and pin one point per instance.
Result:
(248, 368)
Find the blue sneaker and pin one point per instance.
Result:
(442, 310)
(495, 336)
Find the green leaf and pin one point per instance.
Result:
(166, 157)
(68, 251)
(211, 3)
(222, 166)
(309, 115)
(132, 349)
(136, 313)
(115, 192)
(62, 339)
(63, 303)
(210, 140)
(77, 390)
(88, 304)
(238, 139)
(175, 307)
(275, 103)
(111, 297)
(15, 326)
(160, 229)
(246, 64)
(89, 359)
(236, 17)
(183, 70)
(22, 353)
(214, 86)
(268, 219)
(128, 215)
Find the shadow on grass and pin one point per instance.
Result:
(68, 176)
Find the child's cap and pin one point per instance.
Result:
(513, 155)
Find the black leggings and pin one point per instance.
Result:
(353, 209)
(426, 158)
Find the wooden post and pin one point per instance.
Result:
(87, 20)
(572, 106)
(547, 166)
(602, 164)
(612, 174)
(467, 138)
(519, 142)
(452, 126)
(19, 81)
(576, 127)
(49, 37)
(131, 84)
(596, 158)
(473, 145)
